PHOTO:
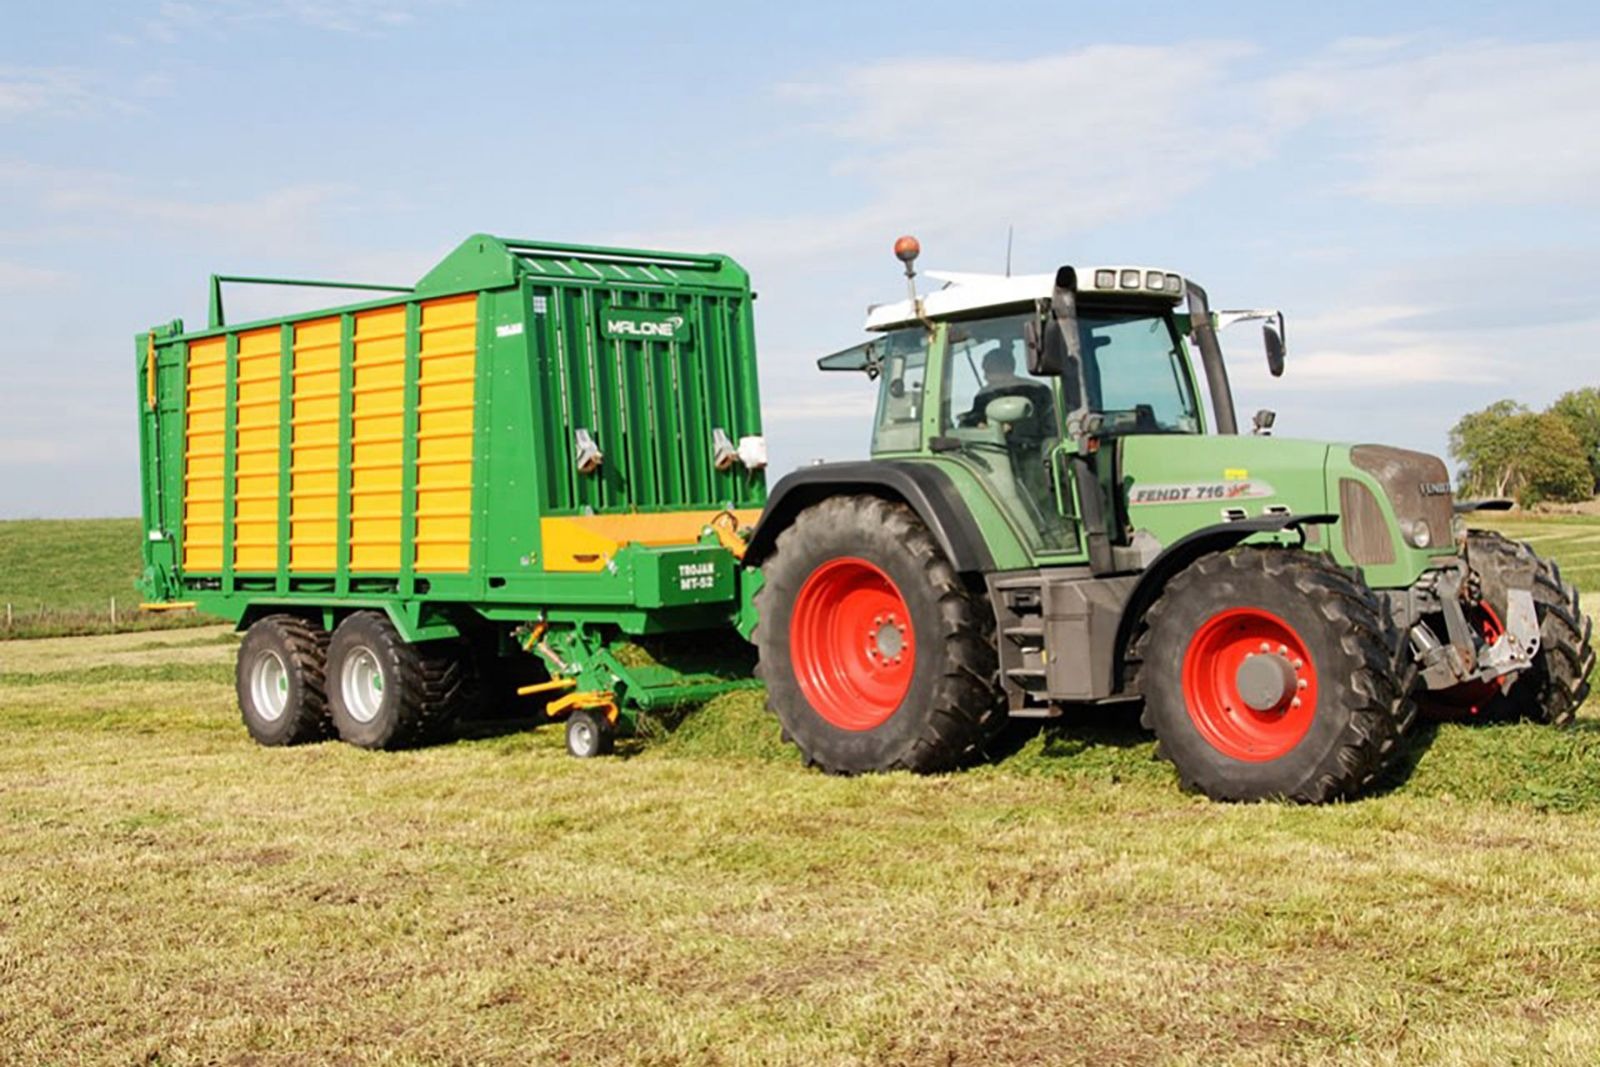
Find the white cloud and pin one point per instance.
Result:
(857, 406)
(14, 276)
(287, 219)
(1412, 364)
(176, 20)
(52, 92)
(1463, 124)
(1063, 142)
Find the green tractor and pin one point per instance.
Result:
(1060, 512)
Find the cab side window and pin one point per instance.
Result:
(898, 427)
(988, 360)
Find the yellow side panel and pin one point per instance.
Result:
(255, 450)
(585, 542)
(314, 447)
(447, 368)
(377, 427)
(205, 403)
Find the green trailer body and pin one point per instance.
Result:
(533, 434)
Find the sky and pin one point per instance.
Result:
(1414, 185)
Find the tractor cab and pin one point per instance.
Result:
(1034, 383)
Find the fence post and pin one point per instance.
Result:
(113, 613)
(8, 615)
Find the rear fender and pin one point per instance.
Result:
(925, 489)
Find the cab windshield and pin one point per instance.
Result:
(1133, 369)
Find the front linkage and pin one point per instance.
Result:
(1498, 632)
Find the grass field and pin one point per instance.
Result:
(59, 575)
(172, 894)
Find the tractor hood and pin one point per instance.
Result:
(1385, 496)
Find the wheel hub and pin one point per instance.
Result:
(361, 684)
(1265, 681)
(269, 686)
(887, 638)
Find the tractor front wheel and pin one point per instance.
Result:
(1272, 673)
(874, 654)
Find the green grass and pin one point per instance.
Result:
(171, 893)
(1574, 540)
(59, 576)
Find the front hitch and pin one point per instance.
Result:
(1486, 648)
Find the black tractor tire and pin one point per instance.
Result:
(279, 677)
(1229, 608)
(1551, 690)
(873, 590)
(590, 734)
(385, 693)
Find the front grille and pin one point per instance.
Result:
(1366, 535)
(1417, 484)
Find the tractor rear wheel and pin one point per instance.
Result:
(1552, 689)
(279, 678)
(385, 692)
(874, 655)
(1273, 673)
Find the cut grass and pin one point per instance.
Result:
(171, 893)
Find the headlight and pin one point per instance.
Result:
(1417, 533)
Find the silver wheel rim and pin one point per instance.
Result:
(269, 686)
(361, 684)
(582, 735)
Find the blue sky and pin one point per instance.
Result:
(1414, 185)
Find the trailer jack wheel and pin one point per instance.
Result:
(590, 733)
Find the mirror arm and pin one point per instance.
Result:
(1064, 306)
(1205, 338)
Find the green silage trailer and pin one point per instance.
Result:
(535, 453)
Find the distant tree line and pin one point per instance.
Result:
(1509, 450)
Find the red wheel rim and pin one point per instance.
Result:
(851, 643)
(1249, 724)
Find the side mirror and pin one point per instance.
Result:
(1272, 335)
(1048, 356)
(1007, 409)
(1261, 422)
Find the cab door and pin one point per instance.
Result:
(1004, 424)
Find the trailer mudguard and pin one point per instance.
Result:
(925, 489)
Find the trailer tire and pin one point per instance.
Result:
(1552, 690)
(590, 734)
(279, 677)
(386, 693)
(875, 656)
(1273, 674)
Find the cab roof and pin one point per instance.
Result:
(965, 292)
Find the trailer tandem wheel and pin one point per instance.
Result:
(279, 678)
(386, 693)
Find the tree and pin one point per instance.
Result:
(1507, 450)
(1485, 443)
(1581, 409)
